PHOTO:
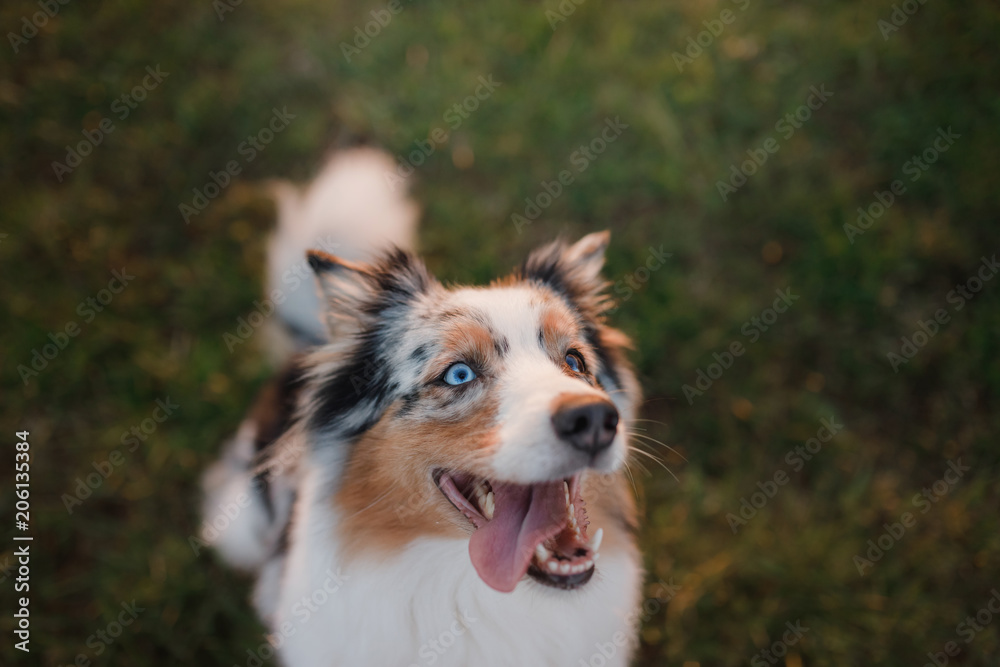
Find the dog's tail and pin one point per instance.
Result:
(352, 210)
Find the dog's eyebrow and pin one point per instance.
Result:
(555, 324)
(472, 324)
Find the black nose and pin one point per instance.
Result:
(589, 425)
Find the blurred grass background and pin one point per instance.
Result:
(655, 186)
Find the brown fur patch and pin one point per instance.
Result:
(469, 341)
(274, 407)
(611, 505)
(560, 333)
(558, 328)
(388, 497)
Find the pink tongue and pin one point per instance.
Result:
(523, 518)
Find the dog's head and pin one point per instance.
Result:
(497, 413)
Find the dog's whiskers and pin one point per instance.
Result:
(651, 439)
(654, 458)
(631, 478)
(371, 504)
(651, 421)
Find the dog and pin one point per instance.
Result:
(436, 477)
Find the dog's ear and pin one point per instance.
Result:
(572, 270)
(357, 294)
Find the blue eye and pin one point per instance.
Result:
(459, 374)
(575, 362)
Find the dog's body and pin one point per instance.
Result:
(426, 486)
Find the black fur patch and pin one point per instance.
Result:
(398, 277)
(320, 264)
(284, 538)
(501, 345)
(364, 379)
(275, 406)
(409, 402)
(593, 339)
(363, 387)
(547, 268)
(273, 413)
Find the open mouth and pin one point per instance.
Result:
(535, 529)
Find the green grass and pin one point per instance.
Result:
(656, 185)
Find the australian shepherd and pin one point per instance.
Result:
(436, 477)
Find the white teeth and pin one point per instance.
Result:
(566, 491)
(564, 568)
(488, 505)
(595, 541)
(575, 526)
(572, 510)
(542, 553)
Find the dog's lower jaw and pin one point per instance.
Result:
(426, 603)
